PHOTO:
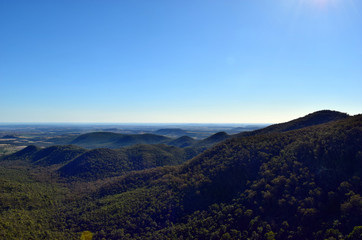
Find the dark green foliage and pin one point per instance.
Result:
(356, 233)
(96, 163)
(29, 209)
(102, 163)
(56, 155)
(23, 154)
(149, 156)
(47, 156)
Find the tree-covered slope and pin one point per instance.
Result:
(182, 142)
(29, 208)
(149, 156)
(96, 163)
(79, 163)
(311, 119)
(116, 140)
(102, 163)
(56, 155)
(302, 184)
(47, 156)
(24, 154)
(213, 139)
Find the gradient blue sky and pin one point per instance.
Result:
(224, 61)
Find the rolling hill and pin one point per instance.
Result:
(171, 132)
(213, 139)
(56, 155)
(116, 140)
(24, 154)
(182, 142)
(103, 163)
(79, 163)
(312, 119)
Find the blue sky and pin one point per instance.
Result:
(231, 61)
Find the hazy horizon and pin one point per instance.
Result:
(171, 125)
(178, 61)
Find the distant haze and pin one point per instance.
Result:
(178, 61)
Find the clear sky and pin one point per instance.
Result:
(222, 61)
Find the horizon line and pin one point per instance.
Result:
(136, 123)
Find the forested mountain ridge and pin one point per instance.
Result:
(311, 119)
(78, 163)
(116, 140)
(102, 162)
(183, 142)
(213, 139)
(298, 184)
(301, 184)
(56, 155)
(23, 154)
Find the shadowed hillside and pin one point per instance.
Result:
(23, 154)
(96, 163)
(213, 139)
(79, 163)
(116, 140)
(102, 163)
(56, 155)
(47, 156)
(182, 142)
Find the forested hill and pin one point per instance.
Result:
(182, 142)
(78, 163)
(213, 139)
(116, 140)
(312, 119)
(102, 163)
(302, 184)
(297, 184)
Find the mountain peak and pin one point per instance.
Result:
(315, 118)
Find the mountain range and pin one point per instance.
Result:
(296, 180)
